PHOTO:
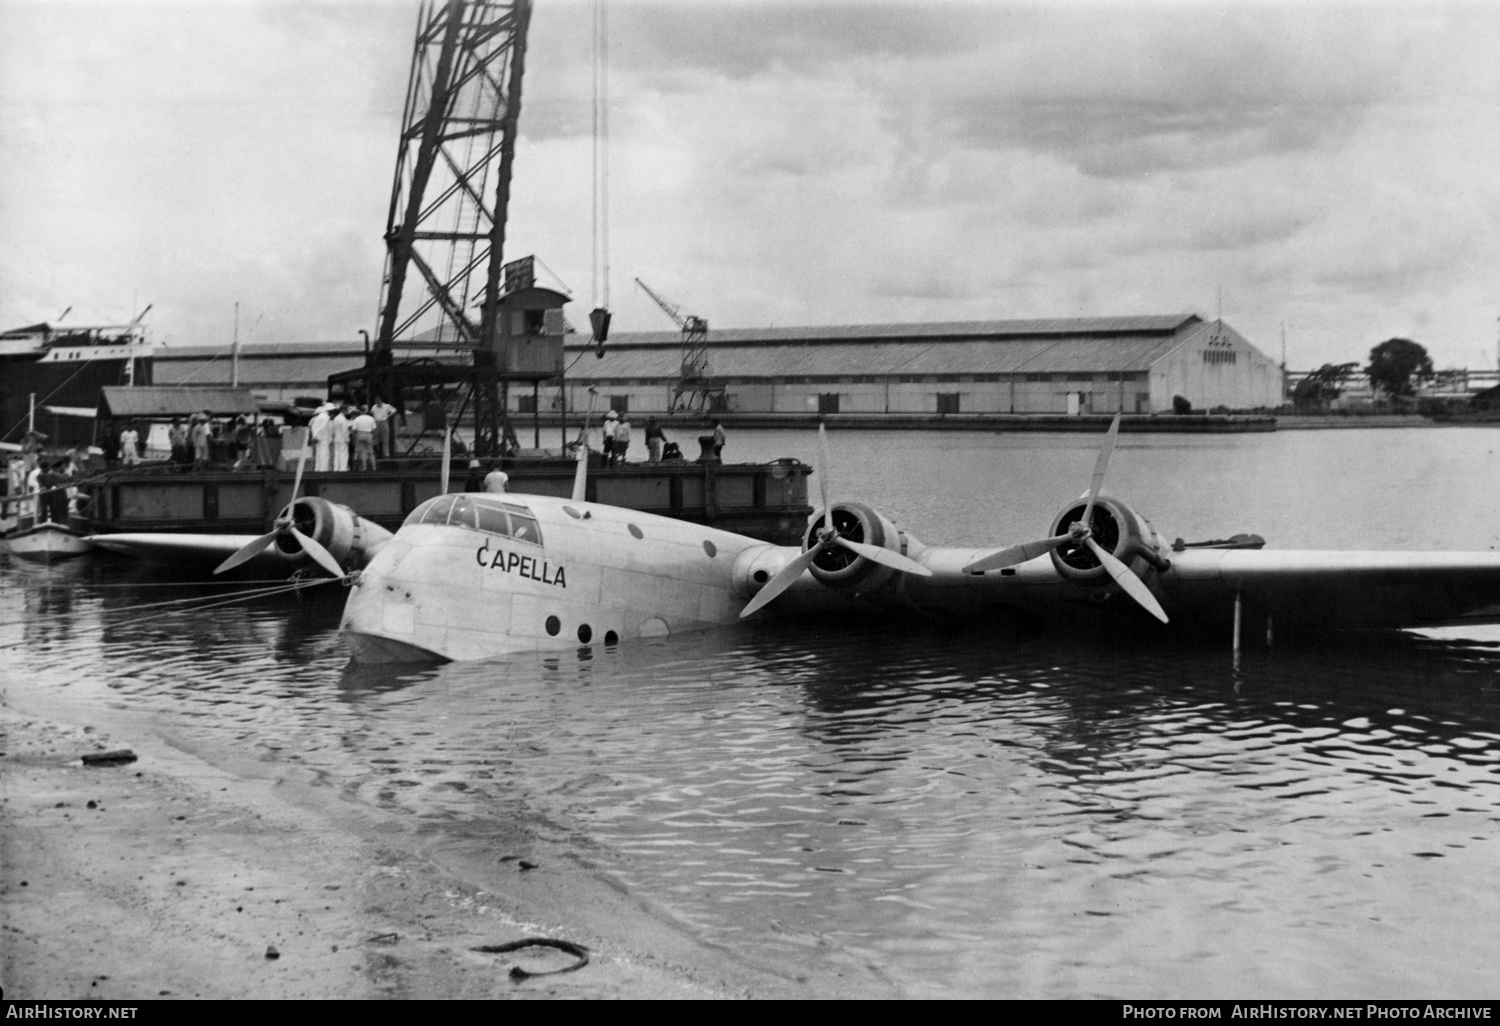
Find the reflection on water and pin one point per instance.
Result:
(962, 814)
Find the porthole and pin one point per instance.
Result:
(585, 632)
(761, 576)
(570, 511)
(611, 638)
(553, 625)
(635, 531)
(708, 547)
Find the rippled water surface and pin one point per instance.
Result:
(967, 814)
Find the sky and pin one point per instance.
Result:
(1323, 169)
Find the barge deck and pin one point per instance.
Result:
(767, 501)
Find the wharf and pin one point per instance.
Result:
(687, 426)
(761, 500)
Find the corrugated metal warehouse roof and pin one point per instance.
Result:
(1093, 345)
(953, 331)
(1067, 345)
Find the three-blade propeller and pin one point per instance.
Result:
(286, 527)
(1080, 532)
(828, 536)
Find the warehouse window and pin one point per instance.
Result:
(1219, 356)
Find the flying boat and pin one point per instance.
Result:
(475, 575)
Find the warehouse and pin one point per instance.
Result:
(1079, 365)
(1072, 366)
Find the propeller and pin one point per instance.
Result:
(828, 536)
(581, 450)
(447, 460)
(285, 525)
(1080, 532)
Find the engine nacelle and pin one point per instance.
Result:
(838, 568)
(348, 537)
(1119, 530)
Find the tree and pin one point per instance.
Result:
(1322, 386)
(1396, 365)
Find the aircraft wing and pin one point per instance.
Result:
(174, 546)
(1339, 588)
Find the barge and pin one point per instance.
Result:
(767, 501)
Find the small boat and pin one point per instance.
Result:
(46, 542)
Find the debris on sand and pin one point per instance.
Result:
(118, 757)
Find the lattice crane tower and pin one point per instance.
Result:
(445, 234)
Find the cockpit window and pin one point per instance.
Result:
(493, 520)
(433, 511)
(522, 524)
(463, 512)
(506, 519)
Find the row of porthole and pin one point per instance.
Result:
(636, 532)
(585, 632)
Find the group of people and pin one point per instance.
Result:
(617, 436)
(338, 431)
(486, 479)
(242, 442)
(46, 481)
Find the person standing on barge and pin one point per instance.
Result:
(338, 430)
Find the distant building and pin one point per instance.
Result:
(1078, 365)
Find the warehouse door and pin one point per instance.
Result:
(828, 402)
(947, 402)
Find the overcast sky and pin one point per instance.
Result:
(1330, 167)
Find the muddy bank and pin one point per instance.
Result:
(205, 875)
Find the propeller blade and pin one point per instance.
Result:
(1129, 582)
(885, 557)
(824, 485)
(247, 552)
(1016, 554)
(447, 460)
(1100, 466)
(581, 475)
(782, 581)
(297, 481)
(320, 555)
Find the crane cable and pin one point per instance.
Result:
(600, 290)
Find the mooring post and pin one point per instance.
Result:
(1236, 630)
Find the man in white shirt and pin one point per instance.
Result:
(130, 441)
(497, 480)
(364, 440)
(385, 428)
(622, 439)
(320, 437)
(338, 430)
(611, 425)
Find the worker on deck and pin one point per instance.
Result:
(364, 440)
(338, 430)
(611, 425)
(320, 437)
(385, 428)
(622, 438)
(130, 442)
(497, 480)
(655, 439)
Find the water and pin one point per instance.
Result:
(963, 814)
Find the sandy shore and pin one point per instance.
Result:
(190, 874)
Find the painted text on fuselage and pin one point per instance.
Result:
(522, 566)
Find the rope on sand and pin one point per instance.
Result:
(578, 951)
